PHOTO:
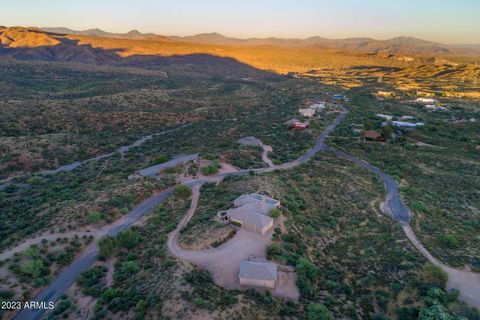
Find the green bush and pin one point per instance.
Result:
(449, 240)
(434, 275)
(95, 217)
(435, 312)
(209, 170)
(33, 268)
(160, 159)
(91, 280)
(129, 238)
(182, 191)
(107, 246)
(275, 213)
(6, 294)
(317, 311)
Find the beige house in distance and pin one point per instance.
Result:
(258, 274)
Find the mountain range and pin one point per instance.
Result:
(405, 45)
(132, 34)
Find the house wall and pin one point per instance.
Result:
(257, 283)
(253, 227)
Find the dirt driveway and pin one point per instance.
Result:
(223, 262)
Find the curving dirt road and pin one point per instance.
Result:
(467, 282)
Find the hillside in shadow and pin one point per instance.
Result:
(71, 51)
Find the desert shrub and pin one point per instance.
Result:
(182, 191)
(307, 273)
(125, 270)
(209, 170)
(434, 275)
(275, 213)
(107, 246)
(317, 311)
(91, 280)
(95, 217)
(6, 294)
(160, 159)
(435, 312)
(449, 241)
(33, 268)
(129, 238)
(199, 277)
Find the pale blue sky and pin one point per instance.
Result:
(450, 21)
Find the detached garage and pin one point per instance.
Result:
(258, 274)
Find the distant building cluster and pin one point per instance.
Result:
(312, 109)
(430, 104)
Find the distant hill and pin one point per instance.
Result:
(405, 45)
(133, 34)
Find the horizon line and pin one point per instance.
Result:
(264, 37)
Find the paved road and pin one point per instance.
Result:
(393, 205)
(66, 278)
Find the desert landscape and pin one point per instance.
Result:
(145, 175)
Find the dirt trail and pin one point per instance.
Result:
(252, 141)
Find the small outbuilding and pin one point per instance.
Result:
(300, 126)
(258, 274)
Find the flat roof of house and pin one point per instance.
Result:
(247, 215)
(258, 270)
(257, 202)
(372, 134)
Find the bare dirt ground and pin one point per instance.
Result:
(223, 262)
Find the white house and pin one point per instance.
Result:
(307, 112)
(435, 108)
(258, 274)
(426, 100)
(319, 106)
(384, 116)
(405, 124)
